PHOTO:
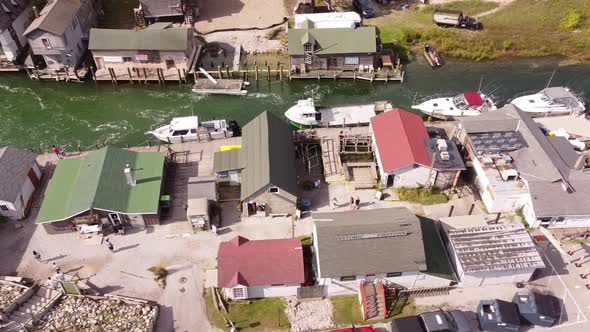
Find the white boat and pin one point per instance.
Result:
(550, 101)
(305, 114)
(465, 104)
(189, 128)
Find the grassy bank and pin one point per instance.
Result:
(425, 196)
(522, 28)
(255, 315)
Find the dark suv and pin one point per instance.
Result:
(363, 7)
(437, 321)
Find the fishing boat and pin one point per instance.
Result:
(550, 101)
(464, 104)
(189, 128)
(432, 56)
(305, 114)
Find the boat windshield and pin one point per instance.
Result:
(308, 115)
(460, 102)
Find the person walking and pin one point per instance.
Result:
(37, 256)
(110, 245)
(56, 151)
(357, 203)
(56, 267)
(51, 283)
(62, 152)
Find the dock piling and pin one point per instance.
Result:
(268, 73)
(256, 72)
(219, 72)
(145, 76)
(281, 72)
(227, 71)
(179, 76)
(130, 77)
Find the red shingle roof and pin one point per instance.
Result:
(400, 138)
(259, 262)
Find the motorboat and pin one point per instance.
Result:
(464, 104)
(550, 101)
(305, 114)
(432, 56)
(189, 128)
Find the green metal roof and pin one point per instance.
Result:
(334, 41)
(171, 39)
(268, 155)
(97, 181)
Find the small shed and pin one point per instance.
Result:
(201, 202)
(197, 213)
(498, 316)
(537, 309)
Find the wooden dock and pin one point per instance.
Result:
(140, 75)
(378, 76)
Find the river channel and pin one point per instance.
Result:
(39, 114)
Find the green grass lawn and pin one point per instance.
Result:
(254, 315)
(347, 311)
(422, 196)
(523, 28)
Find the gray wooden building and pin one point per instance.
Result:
(15, 16)
(59, 35)
(337, 49)
(269, 178)
(129, 54)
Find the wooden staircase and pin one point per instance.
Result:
(33, 309)
(373, 301)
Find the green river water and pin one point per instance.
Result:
(40, 114)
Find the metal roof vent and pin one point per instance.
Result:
(444, 155)
(129, 176)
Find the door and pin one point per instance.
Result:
(332, 63)
(99, 62)
(389, 180)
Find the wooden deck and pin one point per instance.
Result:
(379, 76)
(140, 75)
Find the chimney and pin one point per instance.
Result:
(35, 11)
(129, 176)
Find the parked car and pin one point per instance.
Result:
(456, 19)
(437, 321)
(363, 7)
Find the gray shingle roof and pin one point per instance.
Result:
(14, 167)
(340, 257)
(227, 161)
(334, 41)
(6, 19)
(171, 39)
(268, 155)
(55, 17)
(159, 8)
(455, 161)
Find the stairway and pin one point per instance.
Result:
(35, 307)
(373, 301)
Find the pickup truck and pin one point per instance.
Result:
(456, 19)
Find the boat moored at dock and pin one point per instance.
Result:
(550, 101)
(188, 128)
(305, 114)
(464, 104)
(432, 56)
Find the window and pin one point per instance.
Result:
(393, 274)
(273, 190)
(46, 43)
(239, 293)
(180, 132)
(348, 278)
(4, 207)
(307, 47)
(350, 60)
(370, 275)
(276, 285)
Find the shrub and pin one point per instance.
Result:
(160, 275)
(572, 19)
(422, 195)
(506, 44)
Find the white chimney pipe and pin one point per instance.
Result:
(129, 176)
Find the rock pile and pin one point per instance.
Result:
(87, 314)
(8, 293)
(309, 315)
